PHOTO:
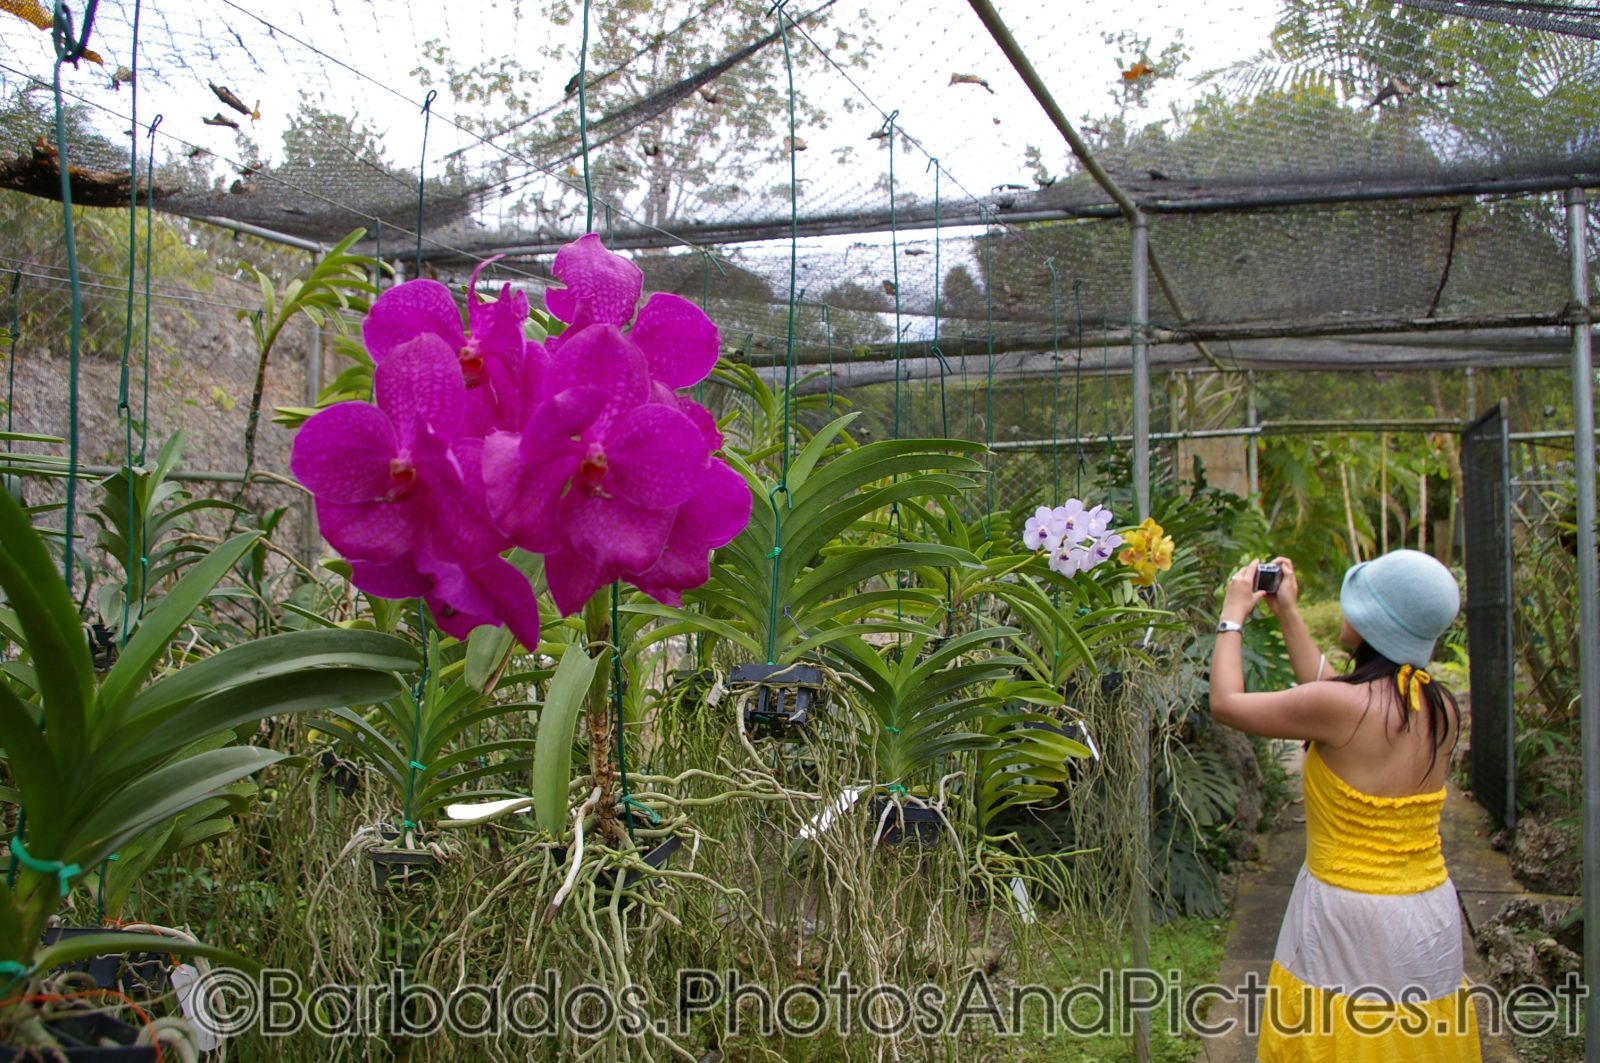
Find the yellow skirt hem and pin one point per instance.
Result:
(1303, 1023)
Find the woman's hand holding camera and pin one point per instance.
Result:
(1241, 595)
(1275, 581)
(1283, 600)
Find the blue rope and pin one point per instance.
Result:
(123, 409)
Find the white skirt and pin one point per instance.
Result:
(1373, 945)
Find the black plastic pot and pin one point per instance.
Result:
(695, 683)
(140, 975)
(394, 866)
(1111, 684)
(93, 1037)
(656, 858)
(907, 822)
(339, 773)
(786, 694)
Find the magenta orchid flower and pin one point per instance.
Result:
(581, 449)
(492, 350)
(383, 477)
(679, 342)
(598, 465)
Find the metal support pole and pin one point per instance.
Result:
(1588, 607)
(1252, 470)
(1139, 326)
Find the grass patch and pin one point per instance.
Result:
(1192, 947)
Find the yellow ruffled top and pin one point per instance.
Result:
(1370, 844)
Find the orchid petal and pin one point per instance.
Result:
(614, 533)
(702, 417)
(368, 531)
(601, 287)
(512, 596)
(523, 495)
(342, 453)
(572, 579)
(389, 579)
(718, 512)
(420, 384)
(406, 310)
(601, 357)
(680, 343)
(658, 457)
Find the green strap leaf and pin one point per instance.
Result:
(160, 624)
(552, 757)
(50, 625)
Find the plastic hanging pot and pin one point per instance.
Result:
(140, 975)
(90, 1036)
(907, 822)
(396, 867)
(786, 695)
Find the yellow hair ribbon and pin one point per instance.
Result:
(1411, 681)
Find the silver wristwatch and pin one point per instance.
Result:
(1224, 626)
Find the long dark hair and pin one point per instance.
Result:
(1370, 666)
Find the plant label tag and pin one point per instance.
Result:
(1019, 892)
(824, 819)
(192, 1002)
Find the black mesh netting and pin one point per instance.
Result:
(1444, 127)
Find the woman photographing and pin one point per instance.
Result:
(1368, 964)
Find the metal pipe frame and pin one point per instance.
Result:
(1583, 382)
(257, 231)
(1264, 428)
(1141, 365)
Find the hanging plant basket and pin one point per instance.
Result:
(396, 866)
(897, 820)
(784, 695)
(1111, 684)
(90, 1036)
(141, 975)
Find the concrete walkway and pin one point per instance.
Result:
(1482, 877)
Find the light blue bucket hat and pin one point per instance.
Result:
(1400, 604)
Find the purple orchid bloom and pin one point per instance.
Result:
(386, 479)
(598, 469)
(1043, 529)
(679, 342)
(1101, 549)
(491, 351)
